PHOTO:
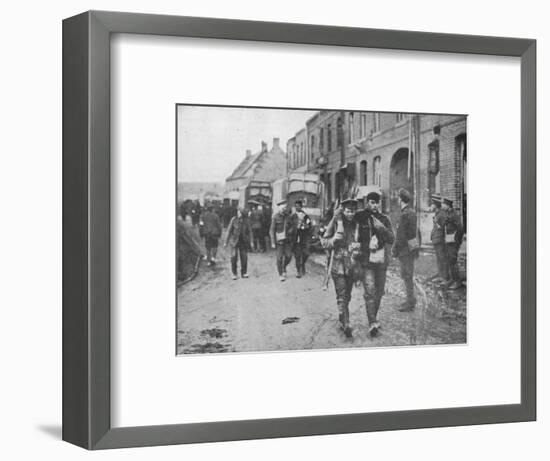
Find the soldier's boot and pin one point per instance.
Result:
(344, 320)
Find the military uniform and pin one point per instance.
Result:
(376, 244)
(301, 222)
(282, 234)
(406, 231)
(238, 239)
(340, 238)
(454, 234)
(438, 240)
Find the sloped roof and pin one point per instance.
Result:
(244, 166)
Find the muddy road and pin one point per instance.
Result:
(217, 314)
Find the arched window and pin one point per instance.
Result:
(376, 173)
(363, 173)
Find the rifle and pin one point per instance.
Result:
(331, 254)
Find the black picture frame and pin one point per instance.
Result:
(86, 229)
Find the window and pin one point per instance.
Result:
(312, 147)
(329, 138)
(376, 173)
(363, 173)
(302, 155)
(339, 132)
(376, 122)
(363, 126)
(434, 181)
(351, 128)
(321, 140)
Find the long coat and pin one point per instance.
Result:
(406, 230)
(238, 227)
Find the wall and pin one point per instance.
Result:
(31, 233)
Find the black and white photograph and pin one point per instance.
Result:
(304, 229)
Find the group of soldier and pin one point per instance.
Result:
(359, 245)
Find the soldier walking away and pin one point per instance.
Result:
(454, 233)
(406, 247)
(282, 235)
(211, 230)
(438, 240)
(256, 224)
(341, 239)
(302, 224)
(238, 239)
(376, 237)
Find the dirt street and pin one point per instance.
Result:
(218, 314)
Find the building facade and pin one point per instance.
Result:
(351, 149)
(265, 165)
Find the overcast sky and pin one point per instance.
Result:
(213, 140)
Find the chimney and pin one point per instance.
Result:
(276, 143)
(264, 146)
(248, 153)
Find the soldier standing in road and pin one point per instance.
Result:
(211, 230)
(302, 224)
(238, 239)
(256, 218)
(406, 248)
(454, 232)
(376, 237)
(282, 234)
(438, 240)
(341, 239)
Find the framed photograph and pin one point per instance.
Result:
(276, 230)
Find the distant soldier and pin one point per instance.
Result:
(238, 239)
(196, 212)
(282, 234)
(256, 218)
(376, 237)
(211, 230)
(266, 224)
(406, 248)
(454, 233)
(438, 239)
(341, 239)
(302, 225)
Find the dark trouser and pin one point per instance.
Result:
(452, 258)
(407, 272)
(301, 253)
(374, 284)
(442, 261)
(343, 285)
(257, 237)
(242, 252)
(284, 255)
(211, 244)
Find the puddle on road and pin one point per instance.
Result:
(214, 332)
(290, 320)
(207, 348)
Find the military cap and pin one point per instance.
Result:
(436, 198)
(281, 202)
(349, 203)
(404, 195)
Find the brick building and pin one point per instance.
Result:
(265, 165)
(364, 148)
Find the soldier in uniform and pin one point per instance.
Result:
(341, 239)
(238, 238)
(256, 218)
(454, 232)
(282, 234)
(405, 247)
(376, 237)
(211, 230)
(438, 239)
(302, 224)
